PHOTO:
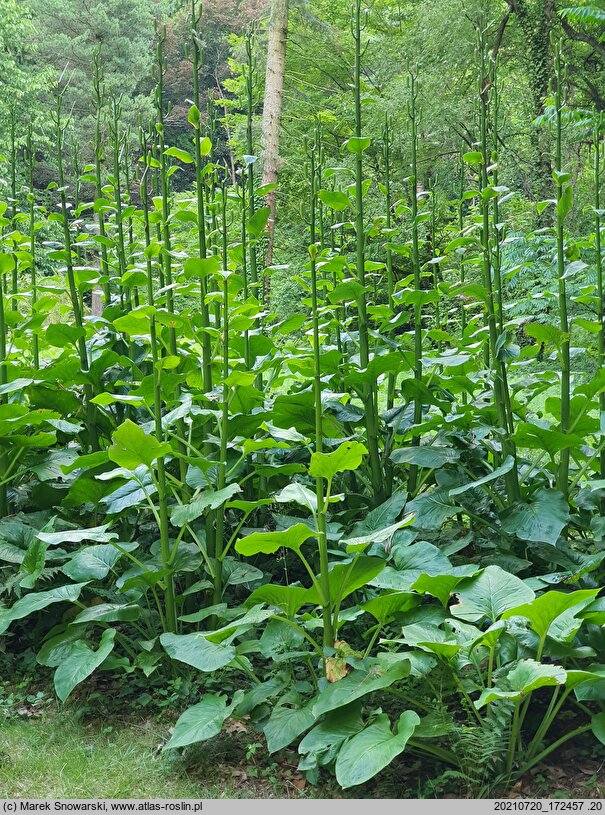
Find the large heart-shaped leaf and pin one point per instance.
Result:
(345, 578)
(334, 199)
(98, 534)
(381, 517)
(32, 564)
(432, 508)
(298, 494)
(385, 606)
(347, 456)
(428, 456)
(505, 467)
(61, 335)
(202, 721)
(37, 601)
(358, 684)
(95, 562)
(196, 650)
(287, 598)
(255, 616)
(286, 724)
(544, 610)
(80, 661)
(535, 437)
(527, 676)
(542, 519)
(433, 639)
(131, 494)
(280, 641)
(268, 543)
(490, 594)
(132, 448)
(598, 727)
(109, 613)
(357, 144)
(440, 586)
(257, 223)
(358, 543)
(337, 726)
(369, 752)
(210, 499)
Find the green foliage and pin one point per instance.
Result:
(343, 510)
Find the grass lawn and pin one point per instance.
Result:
(58, 757)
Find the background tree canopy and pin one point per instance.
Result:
(43, 40)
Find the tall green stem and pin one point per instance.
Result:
(413, 113)
(166, 254)
(196, 119)
(563, 190)
(494, 341)
(170, 621)
(599, 268)
(388, 252)
(322, 541)
(98, 150)
(71, 280)
(368, 389)
(13, 183)
(3, 400)
(390, 289)
(31, 160)
(438, 325)
(224, 420)
(508, 445)
(118, 146)
(461, 230)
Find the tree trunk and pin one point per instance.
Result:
(272, 109)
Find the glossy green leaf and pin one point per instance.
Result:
(132, 448)
(386, 606)
(95, 562)
(182, 155)
(334, 199)
(287, 598)
(202, 721)
(80, 662)
(286, 724)
(36, 601)
(425, 456)
(348, 456)
(337, 726)
(526, 677)
(298, 494)
(544, 610)
(598, 726)
(367, 753)
(490, 594)
(432, 508)
(196, 650)
(268, 543)
(359, 683)
(201, 267)
(358, 144)
(258, 222)
(62, 335)
(542, 519)
(209, 499)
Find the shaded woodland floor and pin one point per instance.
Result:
(55, 755)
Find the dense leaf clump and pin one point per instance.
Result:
(371, 526)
